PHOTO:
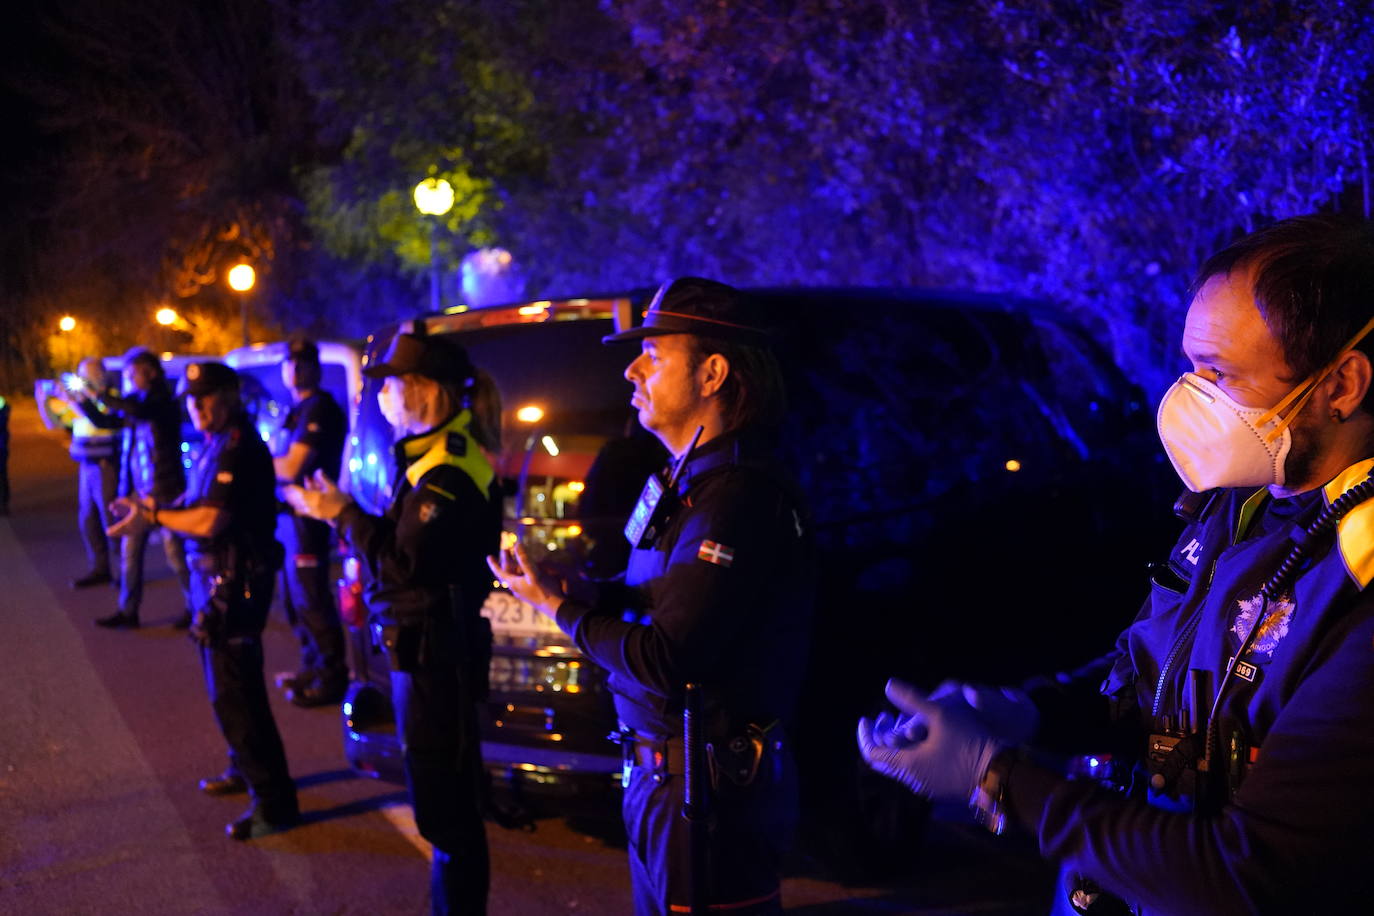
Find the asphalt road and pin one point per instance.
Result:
(103, 736)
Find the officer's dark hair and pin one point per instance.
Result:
(146, 358)
(306, 355)
(753, 393)
(479, 394)
(1313, 284)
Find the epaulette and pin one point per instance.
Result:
(1355, 531)
(1193, 507)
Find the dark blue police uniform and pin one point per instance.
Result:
(721, 597)
(232, 575)
(318, 423)
(1277, 819)
(425, 580)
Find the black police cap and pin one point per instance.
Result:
(433, 357)
(693, 305)
(303, 350)
(207, 378)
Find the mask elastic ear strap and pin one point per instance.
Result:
(1299, 396)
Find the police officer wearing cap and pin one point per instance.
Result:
(425, 581)
(227, 516)
(311, 439)
(717, 593)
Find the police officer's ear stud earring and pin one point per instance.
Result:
(1337, 415)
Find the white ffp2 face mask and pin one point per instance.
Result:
(1214, 442)
(390, 403)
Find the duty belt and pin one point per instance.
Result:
(736, 758)
(663, 757)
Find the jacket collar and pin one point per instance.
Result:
(448, 443)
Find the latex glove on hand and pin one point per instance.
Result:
(320, 498)
(1006, 712)
(935, 747)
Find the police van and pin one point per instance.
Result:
(970, 460)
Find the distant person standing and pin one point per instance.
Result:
(95, 447)
(151, 469)
(312, 439)
(4, 456)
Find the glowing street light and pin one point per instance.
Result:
(241, 278)
(67, 323)
(434, 197)
(166, 317)
(530, 413)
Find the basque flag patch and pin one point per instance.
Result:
(715, 553)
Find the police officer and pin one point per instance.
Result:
(227, 516)
(150, 469)
(717, 592)
(312, 439)
(425, 582)
(1239, 706)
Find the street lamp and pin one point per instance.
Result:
(166, 317)
(434, 197)
(66, 324)
(241, 278)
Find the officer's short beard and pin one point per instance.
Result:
(1300, 465)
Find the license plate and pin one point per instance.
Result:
(512, 617)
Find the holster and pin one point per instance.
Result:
(738, 758)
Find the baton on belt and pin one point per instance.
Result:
(696, 804)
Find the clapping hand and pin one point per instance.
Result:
(133, 514)
(320, 498)
(937, 747)
(512, 567)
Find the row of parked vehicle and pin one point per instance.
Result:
(985, 483)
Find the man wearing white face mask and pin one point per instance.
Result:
(1231, 730)
(425, 578)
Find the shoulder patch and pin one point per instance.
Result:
(428, 510)
(715, 553)
(457, 445)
